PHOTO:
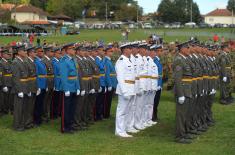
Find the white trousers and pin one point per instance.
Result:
(139, 109)
(122, 113)
(148, 107)
(131, 115)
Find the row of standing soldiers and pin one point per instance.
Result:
(198, 72)
(42, 83)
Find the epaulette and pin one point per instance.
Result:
(136, 56)
(121, 59)
(148, 59)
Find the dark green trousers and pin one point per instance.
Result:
(181, 121)
(29, 110)
(18, 114)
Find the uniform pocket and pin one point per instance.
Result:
(187, 90)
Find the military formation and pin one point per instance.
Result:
(76, 83)
(198, 71)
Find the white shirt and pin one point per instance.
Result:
(125, 77)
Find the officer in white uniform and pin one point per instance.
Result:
(140, 78)
(125, 90)
(153, 75)
(132, 108)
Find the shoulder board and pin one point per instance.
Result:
(121, 59)
(148, 59)
(136, 56)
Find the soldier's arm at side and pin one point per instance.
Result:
(178, 75)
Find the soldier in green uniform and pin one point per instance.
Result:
(1, 97)
(32, 87)
(92, 91)
(19, 87)
(232, 56)
(47, 60)
(183, 93)
(95, 80)
(225, 76)
(80, 118)
(6, 81)
(169, 60)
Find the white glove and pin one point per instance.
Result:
(46, 89)
(55, 89)
(100, 90)
(38, 92)
(213, 91)
(29, 94)
(159, 88)
(105, 89)
(21, 95)
(181, 100)
(196, 95)
(92, 91)
(83, 93)
(5, 89)
(67, 93)
(78, 92)
(127, 97)
(203, 91)
(225, 79)
(110, 88)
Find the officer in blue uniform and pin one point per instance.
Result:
(41, 78)
(110, 80)
(70, 86)
(157, 97)
(101, 93)
(57, 94)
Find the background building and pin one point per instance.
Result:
(28, 13)
(219, 16)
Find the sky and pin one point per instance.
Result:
(205, 6)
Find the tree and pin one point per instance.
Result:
(25, 1)
(231, 5)
(178, 11)
(55, 8)
(166, 10)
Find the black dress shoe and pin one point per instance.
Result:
(68, 132)
(20, 129)
(184, 141)
(189, 136)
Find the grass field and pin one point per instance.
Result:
(100, 139)
(115, 35)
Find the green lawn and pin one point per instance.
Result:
(100, 139)
(115, 35)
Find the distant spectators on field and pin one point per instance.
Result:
(215, 38)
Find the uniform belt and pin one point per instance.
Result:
(31, 78)
(228, 67)
(96, 76)
(205, 77)
(86, 78)
(154, 77)
(72, 77)
(7, 75)
(112, 74)
(42, 76)
(102, 75)
(50, 76)
(130, 81)
(144, 77)
(24, 80)
(187, 80)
